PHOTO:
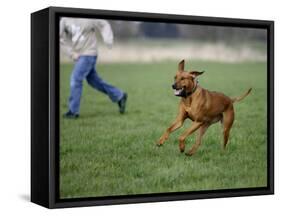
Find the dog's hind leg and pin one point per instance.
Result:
(198, 141)
(228, 118)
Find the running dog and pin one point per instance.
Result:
(202, 106)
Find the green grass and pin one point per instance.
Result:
(104, 153)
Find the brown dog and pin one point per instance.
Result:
(203, 107)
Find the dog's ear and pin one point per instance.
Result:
(196, 73)
(181, 66)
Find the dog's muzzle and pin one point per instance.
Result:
(178, 91)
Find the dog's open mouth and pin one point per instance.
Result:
(178, 92)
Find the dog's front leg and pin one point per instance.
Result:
(201, 133)
(176, 124)
(194, 126)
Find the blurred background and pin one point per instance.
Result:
(148, 42)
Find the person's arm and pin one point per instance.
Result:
(105, 30)
(62, 29)
(65, 43)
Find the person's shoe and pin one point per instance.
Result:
(122, 103)
(70, 115)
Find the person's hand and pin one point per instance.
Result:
(75, 56)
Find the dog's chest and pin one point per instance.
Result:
(191, 114)
(194, 111)
(190, 111)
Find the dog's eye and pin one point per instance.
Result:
(182, 78)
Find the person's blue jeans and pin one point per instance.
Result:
(85, 68)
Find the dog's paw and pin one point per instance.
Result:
(181, 147)
(160, 142)
(162, 139)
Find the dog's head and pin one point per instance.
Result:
(185, 81)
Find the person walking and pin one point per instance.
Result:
(78, 36)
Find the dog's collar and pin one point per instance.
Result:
(193, 90)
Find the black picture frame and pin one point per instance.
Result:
(45, 106)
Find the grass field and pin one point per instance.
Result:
(104, 153)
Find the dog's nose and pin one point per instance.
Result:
(174, 86)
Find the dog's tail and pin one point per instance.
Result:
(237, 99)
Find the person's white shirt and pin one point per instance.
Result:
(78, 35)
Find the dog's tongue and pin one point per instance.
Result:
(177, 92)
